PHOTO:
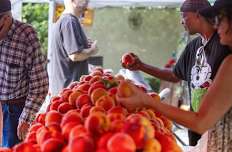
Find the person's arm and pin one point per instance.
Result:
(38, 84)
(161, 73)
(76, 45)
(85, 53)
(173, 75)
(215, 103)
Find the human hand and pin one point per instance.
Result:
(134, 63)
(94, 47)
(22, 129)
(90, 42)
(137, 99)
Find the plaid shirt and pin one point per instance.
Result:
(23, 69)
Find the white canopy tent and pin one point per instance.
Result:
(134, 3)
(116, 3)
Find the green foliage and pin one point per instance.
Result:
(37, 15)
(154, 83)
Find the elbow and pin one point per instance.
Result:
(71, 57)
(199, 125)
(174, 79)
(78, 57)
(199, 128)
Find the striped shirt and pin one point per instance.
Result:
(23, 69)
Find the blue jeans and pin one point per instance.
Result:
(11, 114)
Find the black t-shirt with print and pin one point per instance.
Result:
(68, 38)
(193, 68)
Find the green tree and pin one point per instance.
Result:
(36, 14)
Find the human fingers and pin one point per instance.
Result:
(24, 133)
(123, 65)
(132, 67)
(22, 130)
(95, 42)
(94, 45)
(124, 102)
(120, 99)
(19, 132)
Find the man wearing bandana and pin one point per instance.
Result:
(200, 59)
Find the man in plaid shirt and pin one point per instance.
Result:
(23, 76)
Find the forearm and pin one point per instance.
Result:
(214, 105)
(79, 57)
(164, 74)
(31, 108)
(83, 55)
(38, 89)
(33, 103)
(37, 77)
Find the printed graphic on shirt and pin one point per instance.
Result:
(200, 78)
(201, 71)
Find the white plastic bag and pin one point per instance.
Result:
(135, 76)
